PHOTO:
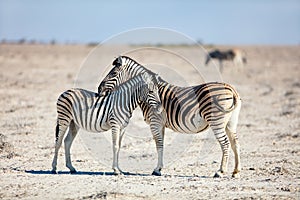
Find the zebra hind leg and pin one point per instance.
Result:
(73, 130)
(222, 138)
(221, 65)
(60, 132)
(236, 150)
(231, 130)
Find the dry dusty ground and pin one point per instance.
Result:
(32, 77)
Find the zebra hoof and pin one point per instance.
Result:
(156, 173)
(73, 171)
(53, 172)
(218, 175)
(118, 172)
(236, 175)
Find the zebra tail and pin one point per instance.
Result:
(56, 132)
(231, 108)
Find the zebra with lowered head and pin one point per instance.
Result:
(187, 110)
(79, 108)
(235, 55)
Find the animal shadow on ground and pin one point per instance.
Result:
(41, 172)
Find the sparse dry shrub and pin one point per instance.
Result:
(6, 149)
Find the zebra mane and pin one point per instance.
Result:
(124, 65)
(118, 62)
(135, 81)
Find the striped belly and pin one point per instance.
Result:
(87, 120)
(190, 122)
(183, 110)
(91, 115)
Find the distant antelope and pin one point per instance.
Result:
(235, 55)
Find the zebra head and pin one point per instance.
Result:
(151, 94)
(109, 82)
(124, 68)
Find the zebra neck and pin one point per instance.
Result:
(131, 98)
(163, 84)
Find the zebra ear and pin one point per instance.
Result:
(118, 61)
(157, 79)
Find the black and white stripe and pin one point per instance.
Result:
(187, 110)
(79, 108)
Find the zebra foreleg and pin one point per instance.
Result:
(224, 143)
(116, 140)
(73, 129)
(221, 65)
(60, 132)
(122, 132)
(158, 131)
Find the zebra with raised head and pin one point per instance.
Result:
(79, 108)
(187, 110)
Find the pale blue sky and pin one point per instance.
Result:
(215, 21)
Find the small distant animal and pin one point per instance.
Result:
(235, 55)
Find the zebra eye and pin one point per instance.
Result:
(150, 92)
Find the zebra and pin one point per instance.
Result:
(187, 110)
(79, 108)
(235, 55)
